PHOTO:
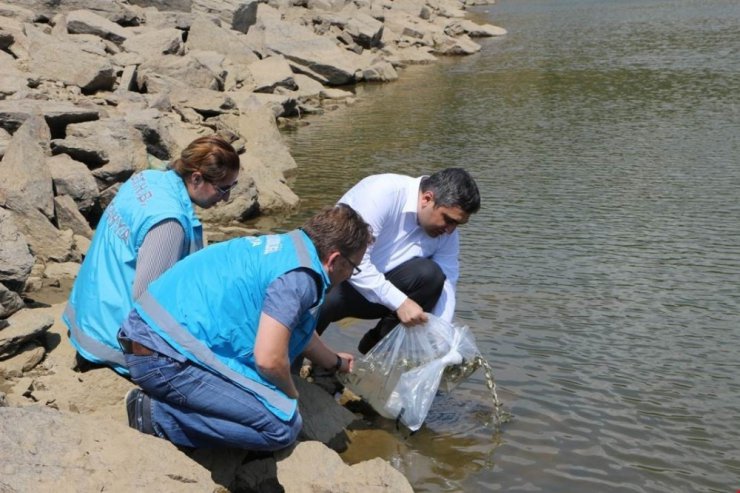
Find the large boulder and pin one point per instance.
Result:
(46, 450)
(156, 42)
(74, 179)
(58, 114)
(111, 147)
(52, 58)
(16, 260)
(301, 45)
(25, 180)
(87, 22)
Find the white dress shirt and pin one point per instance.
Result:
(389, 204)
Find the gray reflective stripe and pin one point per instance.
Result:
(300, 248)
(189, 343)
(93, 346)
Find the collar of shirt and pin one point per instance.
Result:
(412, 196)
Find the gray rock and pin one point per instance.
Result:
(113, 10)
(300, 44)
(309, 467)
(25, 181)
(12, 80)
(27, 357)
(61, 270)
(459, 45)
(381, 71)
(16, 260)
(44, 240)
(4, 141)
(111, 146)
(46, 450)
(18, 13)
(169, 5)
(87, 22)
(186, 70)
(25, 326)
(58, 114)
(50, 58)
(245, 16)
(205, 35)
(10, 302)
(365, 30)
(323, 419)
(156, 42)
(74, 179)
(68, 216)
(224, 10)
(272, 72)
(204, 101)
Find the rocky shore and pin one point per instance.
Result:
(92, 91)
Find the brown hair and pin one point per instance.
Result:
(211, 155)
(339, 228)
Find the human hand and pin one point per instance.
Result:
(410, 313)
(348, 362)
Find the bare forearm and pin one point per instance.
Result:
(280, 377)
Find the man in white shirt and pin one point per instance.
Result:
(412, 267)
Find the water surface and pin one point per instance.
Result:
(602, 275)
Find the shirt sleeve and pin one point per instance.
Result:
(290, 296)
(377, 209)
(162, 247)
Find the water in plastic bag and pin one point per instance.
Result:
(400, 376)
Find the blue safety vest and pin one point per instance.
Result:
(101, 297)
(208, 307)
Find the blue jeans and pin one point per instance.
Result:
(194, 407)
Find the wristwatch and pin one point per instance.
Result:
(338, 365)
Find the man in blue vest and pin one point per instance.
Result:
(212, 340)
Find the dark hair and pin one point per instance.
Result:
(339, 228)
(212, 156)
(453, 187)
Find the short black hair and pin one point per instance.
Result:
(453, 187)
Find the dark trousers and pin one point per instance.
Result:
(420, 279)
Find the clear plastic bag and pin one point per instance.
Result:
(400, 376)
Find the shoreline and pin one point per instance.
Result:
(143, 85)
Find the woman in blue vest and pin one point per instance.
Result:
(149, 225)
(212, 340)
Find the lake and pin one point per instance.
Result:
(601, 277)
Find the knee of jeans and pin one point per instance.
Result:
(285, 436)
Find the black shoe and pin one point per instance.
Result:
(82, 365)
(139, 411)
(369, 340)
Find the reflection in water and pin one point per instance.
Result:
(602, 275)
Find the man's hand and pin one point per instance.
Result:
(410, 313)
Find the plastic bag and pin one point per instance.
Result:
(400, 376)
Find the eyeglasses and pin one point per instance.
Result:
(355, 268)
(224, 191)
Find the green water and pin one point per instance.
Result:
(601, 277)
